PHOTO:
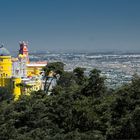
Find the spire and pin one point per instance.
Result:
(24, 50)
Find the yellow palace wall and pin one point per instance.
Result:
(5, 66)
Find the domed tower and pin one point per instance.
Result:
(24, 50)
(5, 63)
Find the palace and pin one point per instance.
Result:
(19, 75)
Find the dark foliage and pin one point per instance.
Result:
(79, 108)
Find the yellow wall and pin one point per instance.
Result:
(12, 84)
(5, 66)
(33, 87)
(33, 70)
(16, 87)
(5, 82)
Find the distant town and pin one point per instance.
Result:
(117, 68)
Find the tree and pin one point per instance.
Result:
(79, 74)
(74, 111)
(5, 94)
(124, 112)
(57, 67)
(66, 79)
(95, 86)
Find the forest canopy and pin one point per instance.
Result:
(79, 108)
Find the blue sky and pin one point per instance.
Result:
(71, 25)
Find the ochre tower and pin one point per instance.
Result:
(5, 63)
(5, 68)
(16, 87)
(24, 50)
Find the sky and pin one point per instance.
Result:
(71, 25)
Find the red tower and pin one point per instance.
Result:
(24, 50)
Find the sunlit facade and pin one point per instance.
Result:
(19, 75)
